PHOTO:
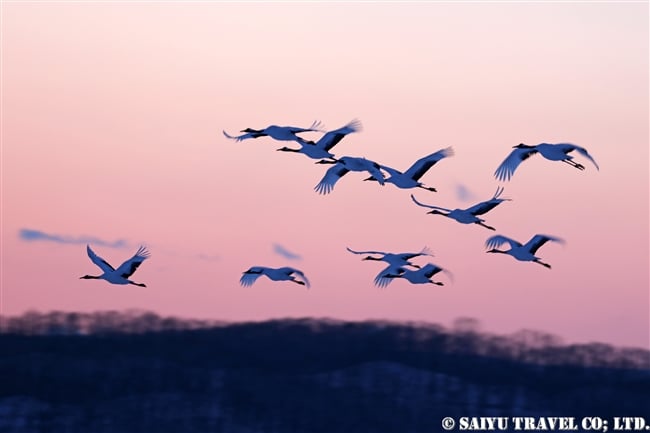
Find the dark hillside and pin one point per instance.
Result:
(137, 372)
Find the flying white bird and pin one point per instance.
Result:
(344, 165)
(321, 148)
(282, 133)
(411, 177)
(468, 216)
(422, 275)
(120, 275)
(524, 253)
(553, 152)
(396, 262)
(280, 274)
(399, 259)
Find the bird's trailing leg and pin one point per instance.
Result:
(428, 188)
(302, 283)
(138, 284)
(574, 164)
(485, 225)
(437, 283)
(546, 265)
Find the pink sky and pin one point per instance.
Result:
(111, 127)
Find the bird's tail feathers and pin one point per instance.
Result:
(317, 126)
(498, 193)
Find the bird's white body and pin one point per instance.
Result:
(276, 274)
(321, 148)
(469, 215)
(552, 152)
(525, 252)
(411, 177)
(123, 272)
(344, 165)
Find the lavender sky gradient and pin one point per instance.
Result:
(111, 128)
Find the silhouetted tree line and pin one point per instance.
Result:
(138, 372)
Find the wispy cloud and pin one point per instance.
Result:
(30, 235)
(464, 194)
(282, 251)
(208, 257)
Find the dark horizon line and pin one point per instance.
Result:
(34, 322)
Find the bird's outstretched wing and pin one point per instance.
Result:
(429, 270)
(375, 170)
(486, 206)
(509, 165)
(247, 279)
(301, 275)
(103, 264)
(365, 252)
(127, 268)
(390, 170)
(428, 205)
(240, 137)
(382, 280)
(568, 147)
(425, 251)
(498, 240)
(332, 138)
(315, 126)
(538, 240)
(422, 165)
(333, 174)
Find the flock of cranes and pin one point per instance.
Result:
(399, 264)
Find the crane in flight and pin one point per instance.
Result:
(122, 273)
(552, 152)
(321, 148)
(397, 262)
(469, 215)
(411, 177)
(281, 133)
(525, 252)
(344, 165)
(423, 275)
(276, 274)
